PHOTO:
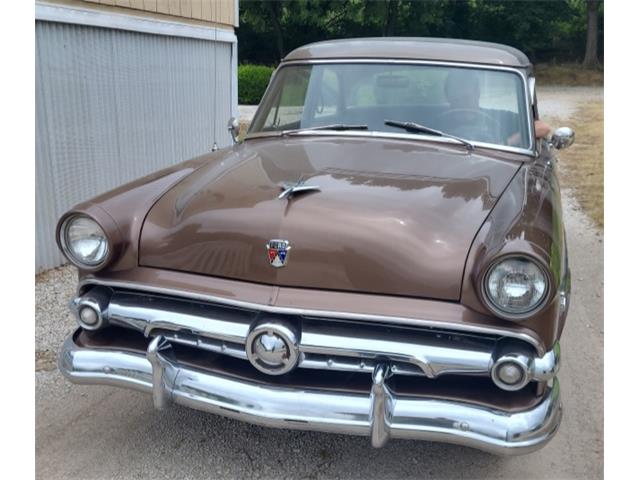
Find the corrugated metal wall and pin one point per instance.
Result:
(114, 105)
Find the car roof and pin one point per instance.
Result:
(434, 49)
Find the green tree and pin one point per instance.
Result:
(545, 30)
(591, 49)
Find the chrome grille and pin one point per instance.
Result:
(322, 343)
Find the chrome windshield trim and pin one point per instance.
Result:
(532, 88)
(525, 85)
(327, 314)
(388, 135)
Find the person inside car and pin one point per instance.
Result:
(465, 115)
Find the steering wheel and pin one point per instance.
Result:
(481, 121)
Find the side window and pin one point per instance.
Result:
(287, 110)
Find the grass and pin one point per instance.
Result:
(568, 74)
(582, 165)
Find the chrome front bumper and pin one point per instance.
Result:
(380, 413)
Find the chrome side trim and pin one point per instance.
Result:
(323, 314)
(380, 414)
(527, 95)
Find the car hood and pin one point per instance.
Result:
(390, 216)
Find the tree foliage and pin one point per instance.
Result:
(252, 82)
(546, 30)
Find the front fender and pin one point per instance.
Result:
(121, 212)
(526, 219)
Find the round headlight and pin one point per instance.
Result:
(84, 242)
(515, 286)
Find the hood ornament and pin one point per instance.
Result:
(290, 189)
(278, 252)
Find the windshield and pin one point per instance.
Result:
(479, 105)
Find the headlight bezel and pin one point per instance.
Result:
(68, 252)
(509, 315)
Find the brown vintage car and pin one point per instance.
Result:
(382, 255)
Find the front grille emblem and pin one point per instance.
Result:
(272, 347)
(278, 252)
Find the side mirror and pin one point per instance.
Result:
(233, 125)
(563, 137)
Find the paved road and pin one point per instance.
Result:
(102, 432)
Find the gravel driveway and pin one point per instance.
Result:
(562, 102)
(102, 432)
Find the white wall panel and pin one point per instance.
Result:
(113, 105)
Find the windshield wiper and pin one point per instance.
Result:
(334, 126)
(416, 127)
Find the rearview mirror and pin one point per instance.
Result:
(233, 125)
(563, 137)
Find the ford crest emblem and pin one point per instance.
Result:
(278, 252)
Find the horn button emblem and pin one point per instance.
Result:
(272, 348)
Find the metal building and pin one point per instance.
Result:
(124, 88)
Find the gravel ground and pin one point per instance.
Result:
(562, 102)
(54, 289)
(103, 432)
(246, 113)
